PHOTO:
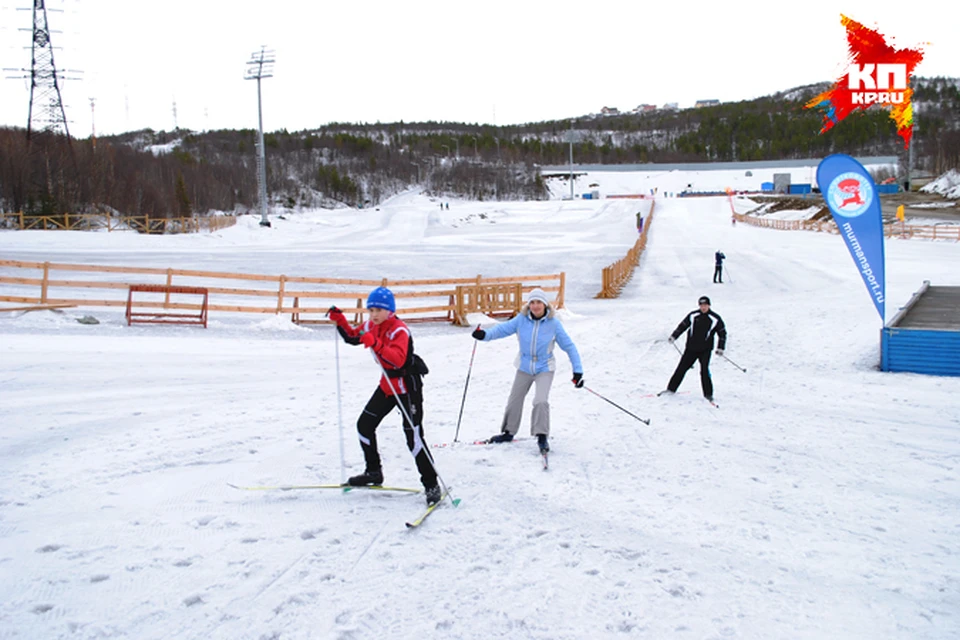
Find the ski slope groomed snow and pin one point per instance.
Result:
(820, 501)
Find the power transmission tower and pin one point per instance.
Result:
(260, 66)
(53, 185)
(46, 114)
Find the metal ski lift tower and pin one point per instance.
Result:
(46, 104)
(260, 66)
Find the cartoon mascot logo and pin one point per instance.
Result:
(850, 194)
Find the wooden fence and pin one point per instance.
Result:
(890, 230)
(619, 273)
(97, 222)
(306, 299)
(946, 231)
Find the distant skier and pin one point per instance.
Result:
(718, 268)
(537, 330)
(402, 382)
(701, 325)
(639, 222)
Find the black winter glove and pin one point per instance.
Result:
(479, 334)
(578, 380)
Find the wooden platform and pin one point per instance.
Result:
(935, 308)
(924, 337)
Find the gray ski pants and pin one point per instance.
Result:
(540, 418)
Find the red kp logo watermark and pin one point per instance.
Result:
(878, 74)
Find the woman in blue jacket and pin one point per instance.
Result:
(537, 331)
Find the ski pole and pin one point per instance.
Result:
(724, 356)
(617, 406)
(465, 385)
(409, 420)
(343, 461)
(728, 275)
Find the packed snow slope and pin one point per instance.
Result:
(821, 500)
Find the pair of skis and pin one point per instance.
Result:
(346, 487)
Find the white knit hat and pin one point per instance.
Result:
(538, 294)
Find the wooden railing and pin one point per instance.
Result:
(306, 299)
(96, 222)
(922, 232)
(619, 273)
(890, 230)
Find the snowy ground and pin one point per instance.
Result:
(820, 501)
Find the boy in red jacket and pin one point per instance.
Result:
(391, 342)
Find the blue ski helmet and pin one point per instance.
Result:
(382, 298)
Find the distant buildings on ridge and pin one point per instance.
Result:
(606, 112)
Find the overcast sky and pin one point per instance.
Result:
(496, 61)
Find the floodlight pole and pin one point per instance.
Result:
(93, 124)
(259, 66)
(571, 159)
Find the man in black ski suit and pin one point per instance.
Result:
(700, 325)
(718, 267)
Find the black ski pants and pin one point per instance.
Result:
(379, 405)
(686, 362)
(718, 274)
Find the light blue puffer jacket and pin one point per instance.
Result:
(536, 338)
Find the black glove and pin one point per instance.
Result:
(479, 334)
(578, 380)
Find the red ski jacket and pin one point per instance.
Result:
(391, 347)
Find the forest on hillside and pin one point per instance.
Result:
(182, 173)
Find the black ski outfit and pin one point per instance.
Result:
(700, 327)
(718, 268)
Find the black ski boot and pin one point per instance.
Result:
(542, 443)
(433, 495)
(368, 477)
(501, 437)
